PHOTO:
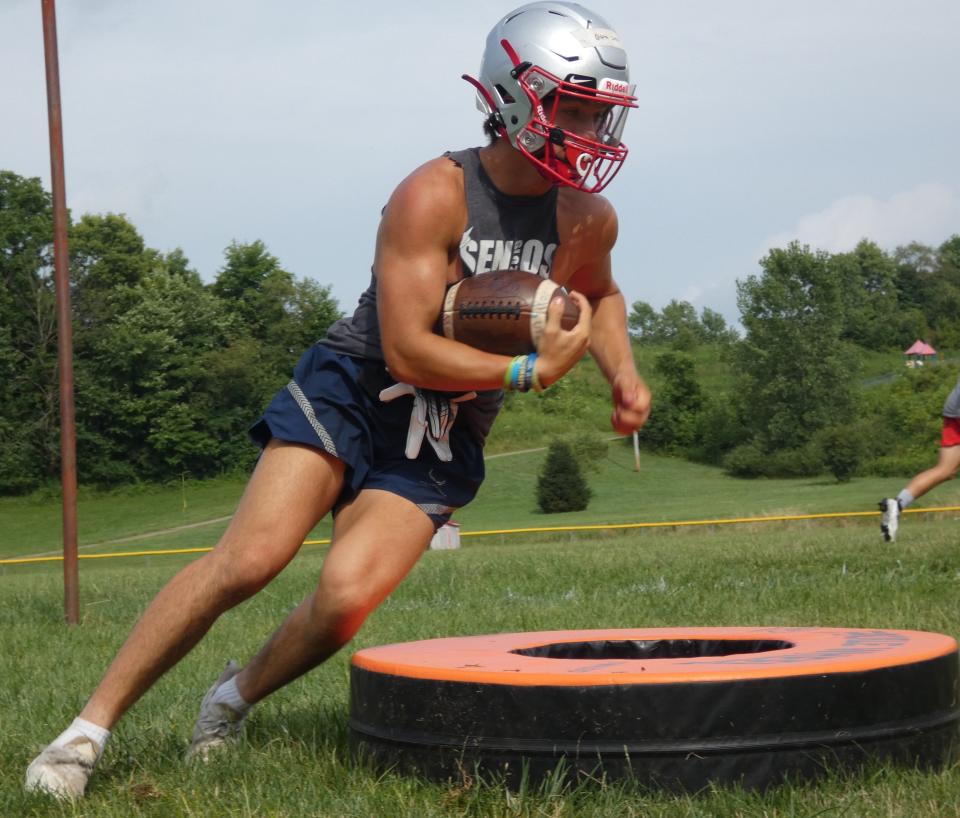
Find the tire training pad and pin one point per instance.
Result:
(670, 707)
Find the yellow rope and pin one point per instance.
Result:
(541, 530)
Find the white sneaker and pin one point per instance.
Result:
(890, 518)
(217, 724)
(63, 771)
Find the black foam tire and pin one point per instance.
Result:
(677, 708)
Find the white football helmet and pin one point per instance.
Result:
(535, 58)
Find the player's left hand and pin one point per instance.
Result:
(631, 403)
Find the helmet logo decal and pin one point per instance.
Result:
(583, 82)
(588, 37)
(614, 86)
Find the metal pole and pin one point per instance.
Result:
(636, 451)
(68, 432)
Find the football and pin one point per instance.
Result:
(502, 312)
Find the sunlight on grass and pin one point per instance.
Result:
(296, 760)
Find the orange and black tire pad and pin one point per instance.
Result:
(670, 707)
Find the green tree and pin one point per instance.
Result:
(870, 297)
(928, 287)
(107, 258)
(673, 421)
(309, 313)
(946, 302)
(643, 322)
(271, 306)
(561, 485)
(177, 265)
(29, 413)
(948, 259)
(796, 376)
(148, 411)
(254, 287)
(679, 325)
(714, 329)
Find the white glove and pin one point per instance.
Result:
(432, 416)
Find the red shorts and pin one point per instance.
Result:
(951, 432)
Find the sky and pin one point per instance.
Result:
(759, 123)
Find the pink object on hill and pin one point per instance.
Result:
(920, 348)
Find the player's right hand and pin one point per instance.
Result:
(560, 349)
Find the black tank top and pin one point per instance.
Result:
(502, 233)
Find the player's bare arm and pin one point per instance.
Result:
(588, 228)
(416, 259)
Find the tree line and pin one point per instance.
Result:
(796, 404)
(169, 371)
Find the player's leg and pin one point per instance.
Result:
(948, 462)
(378, 538)
(292, 487)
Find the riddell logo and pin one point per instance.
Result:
(614, 86)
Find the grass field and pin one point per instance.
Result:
(295, 761)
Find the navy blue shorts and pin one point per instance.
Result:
(332, 404)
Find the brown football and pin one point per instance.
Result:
(503, 312)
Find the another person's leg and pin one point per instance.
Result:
(378, 538)
(948, 463)
(292, 487)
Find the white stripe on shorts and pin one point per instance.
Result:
(294, 388)
(435, 508)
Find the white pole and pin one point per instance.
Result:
(636, 452)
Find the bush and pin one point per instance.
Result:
(804, 461)
(842, 449)
(746, 460)
(717, 431)
(561, 486)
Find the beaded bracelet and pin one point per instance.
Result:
(534, 377)
(521, 374)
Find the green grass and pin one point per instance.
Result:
(665, 489)
(33, 524)
(296, 760)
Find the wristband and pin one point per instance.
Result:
(511, 378)
(521, 374)
(534, 377)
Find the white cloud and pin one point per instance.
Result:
(928, 213)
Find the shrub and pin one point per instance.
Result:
(717, 431)
(561, 485)
(804, 461)
(746, 460)
(842, 449)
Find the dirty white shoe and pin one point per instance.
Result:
(889, 518)
(217, 724)
(63, 771)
